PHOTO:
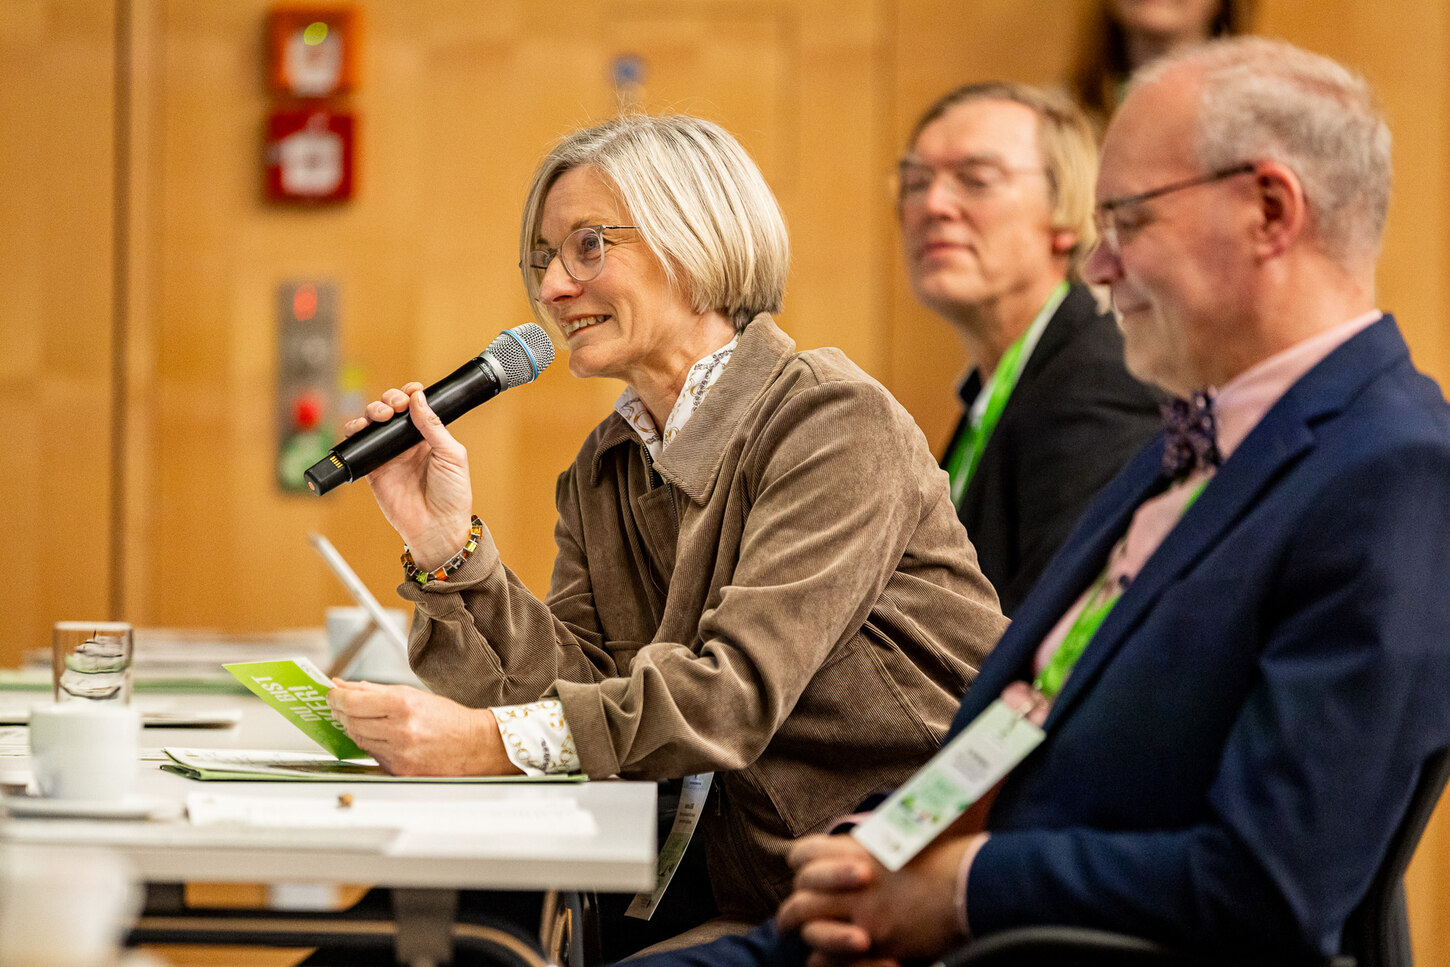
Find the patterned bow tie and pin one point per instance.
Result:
(1191, 442)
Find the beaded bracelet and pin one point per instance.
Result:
(414, 573)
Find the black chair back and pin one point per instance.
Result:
(1377, 934)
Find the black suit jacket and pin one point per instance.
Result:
(1073, 420)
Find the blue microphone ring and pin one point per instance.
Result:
(534, 363)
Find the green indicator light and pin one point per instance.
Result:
(315, 34)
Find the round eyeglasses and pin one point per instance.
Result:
(969, 179)
(582, 253)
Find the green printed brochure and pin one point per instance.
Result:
(298, 689)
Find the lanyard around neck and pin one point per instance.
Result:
(1089, 619)
(967, 450)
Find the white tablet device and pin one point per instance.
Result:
(359, 592)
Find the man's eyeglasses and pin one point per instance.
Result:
(970, 179)
(582, 253)
(1107, 216)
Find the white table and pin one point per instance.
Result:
(618, 857)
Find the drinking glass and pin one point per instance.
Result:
(91, 661)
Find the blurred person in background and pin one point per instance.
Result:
(994, 200)
(1121, 36)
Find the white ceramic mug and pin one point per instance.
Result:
(63, 906)
(381, 660)
(85, 751)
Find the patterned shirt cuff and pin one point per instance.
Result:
(536, 737)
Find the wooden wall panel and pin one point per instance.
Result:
(458, 100)
(56, 88)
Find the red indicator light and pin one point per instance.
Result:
(304, 302)
(306, 411)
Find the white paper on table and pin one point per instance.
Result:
(493, 818)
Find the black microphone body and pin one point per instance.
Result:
(377, 443)
(516, 356)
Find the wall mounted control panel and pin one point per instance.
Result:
(306, 378)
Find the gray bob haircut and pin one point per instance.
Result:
(698, 200)
(1264, 99)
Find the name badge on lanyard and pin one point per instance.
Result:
(693, 792)
(957, 776)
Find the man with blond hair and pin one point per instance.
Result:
(1236, 667)
(994, 200)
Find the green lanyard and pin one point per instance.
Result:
(967, 453)
(1094, 612)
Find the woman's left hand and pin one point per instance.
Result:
(416, 733)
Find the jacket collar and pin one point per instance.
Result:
(1281, 438)
(1077, 309)
(692, 460)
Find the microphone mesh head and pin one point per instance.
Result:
(522, 352)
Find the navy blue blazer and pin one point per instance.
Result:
(1239, 740)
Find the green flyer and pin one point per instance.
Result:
(298, 689)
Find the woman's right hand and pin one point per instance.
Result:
(425, 492)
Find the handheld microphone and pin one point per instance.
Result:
(516, 357)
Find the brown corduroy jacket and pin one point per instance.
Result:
(787, 599)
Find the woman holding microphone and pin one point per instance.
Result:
(760, 573)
